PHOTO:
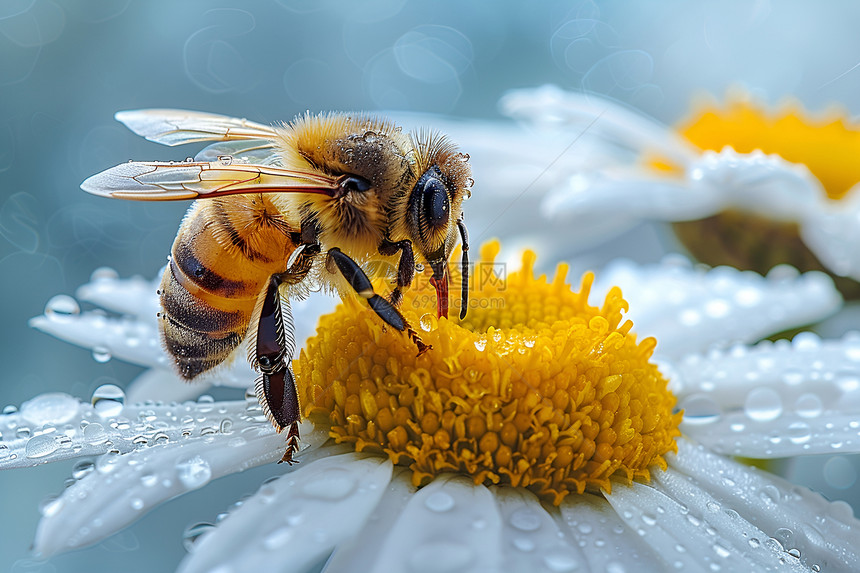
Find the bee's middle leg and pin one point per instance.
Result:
(337, 260)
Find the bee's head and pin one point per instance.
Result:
(432, 212)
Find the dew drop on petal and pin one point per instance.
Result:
(194, 472)
(332, 485)
(560, 560)
(82, 469)
(525, 520)
(439, 502)
(799, 432)
(95, 433)
(700, 409)
(10, 409)
(226, 426)
(428, 322)
(62, 307)
(41, 446)
(137, 504)
(51, 408)
(809, 405)
(278, 538)
(148, 480)
(101, 354)
(763, 404)
(193, 533)
(481, 343)
(524, 544)
(108, 400)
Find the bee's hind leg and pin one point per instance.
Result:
(272, 354)
(337, 260)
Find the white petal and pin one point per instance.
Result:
(766, 185)
(134, 297)
(54, 427)
(450, 525)
(164, 385)
(550, 106)
(775, 399)
(824, 533)
(531, 538)
(361, 551)
(124, 487)
(601, 198)
(833, 233)
(689, 537)
(607, 542)
(295, 521)
(690, 309)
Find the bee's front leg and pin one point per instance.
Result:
(336, 260)
(405, 268)
(272, 354)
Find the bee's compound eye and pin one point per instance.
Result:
(435, 203)
(354, 183)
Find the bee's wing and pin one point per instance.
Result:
(156, 181)
(179, 126)
(258, 151)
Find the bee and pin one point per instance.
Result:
(280, 208)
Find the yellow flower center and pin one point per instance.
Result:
(828, 146)
(535, 388)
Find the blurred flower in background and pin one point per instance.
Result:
(746, 186)
(67, 67)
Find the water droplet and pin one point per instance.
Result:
(700, 409)
(560, 560)
(95, 433)
(481, 343)
(108, 400)
(225, 160)
(194, 472)
(41, 446)
(10, 409)
(82, 469)
(524, 544)
(137, 504)
(525, 520)
(148, 480)
(799, 432)
(278, 538)
(101, 354)
(439, 502)
(193, 533)
(754, 543)
(763, 404)
(62, 307)
(428, 322)
(22, 432)
(808, 405)
(226, 426)
(104, 274)
(721, 551)
(333, 484)
(770, 494)
(51, 408)
(106, 463)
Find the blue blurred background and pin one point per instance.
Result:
(66, 66)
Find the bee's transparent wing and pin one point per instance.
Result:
(157, 181)
(258, 151)
(179, 126)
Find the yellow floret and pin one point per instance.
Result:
(535, 388)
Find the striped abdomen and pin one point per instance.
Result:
(224, 253)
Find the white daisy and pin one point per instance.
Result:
(541, 393)
(763, 186)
